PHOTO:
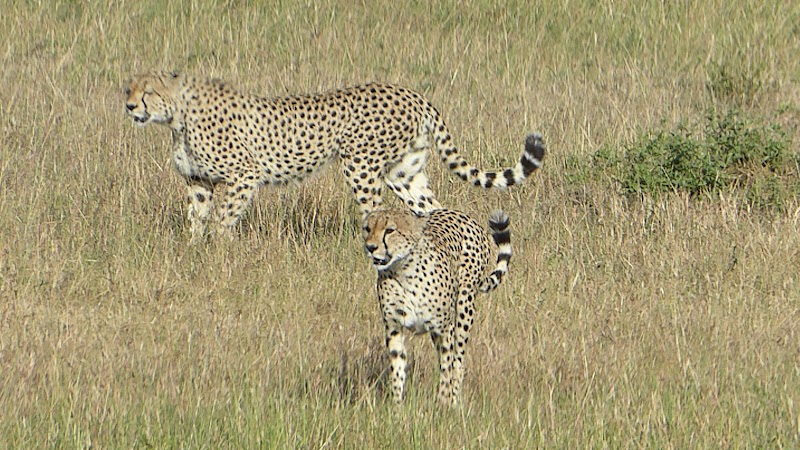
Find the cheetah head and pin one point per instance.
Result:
(151, 97)
(390, 235)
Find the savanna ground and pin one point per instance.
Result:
(628, 320)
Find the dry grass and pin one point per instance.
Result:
(669, 324)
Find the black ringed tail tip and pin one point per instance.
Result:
(534, 153)
(499, 221)
(534, 145)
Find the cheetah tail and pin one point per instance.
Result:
(530, 160)
(498, 222)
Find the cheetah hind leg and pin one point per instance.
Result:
(238, 196)
(408, 180)
(199, 197)
(463, 327)
(444, 346)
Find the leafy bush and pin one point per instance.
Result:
(729, 152)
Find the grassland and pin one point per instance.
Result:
(668, 322)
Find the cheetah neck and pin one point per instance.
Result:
(403, 264)
(179, 104)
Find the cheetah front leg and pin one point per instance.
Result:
(238, 196)
(395, 344)
(199, 199)
(391, 300)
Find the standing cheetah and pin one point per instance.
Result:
(379, 132)
(429, 272)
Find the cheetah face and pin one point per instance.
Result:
(389, 236)
(150, 98)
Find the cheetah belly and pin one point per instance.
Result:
(189, 165)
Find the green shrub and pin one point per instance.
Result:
(729, 152)
(668, 161)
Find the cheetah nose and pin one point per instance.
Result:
(130, 106)
(370, 247)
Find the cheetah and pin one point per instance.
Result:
(379, 132)
(430, 269)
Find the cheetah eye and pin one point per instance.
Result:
(366, 229)
(389, 231)
(127, 91)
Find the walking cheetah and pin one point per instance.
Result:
(430, 269)
(380, 133)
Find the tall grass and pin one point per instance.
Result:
(666, 323)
